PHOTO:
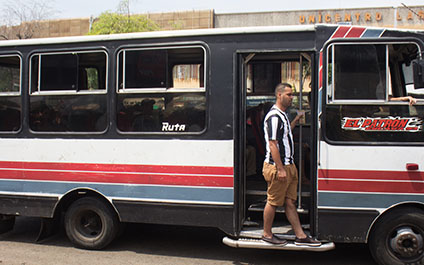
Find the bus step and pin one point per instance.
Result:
(259, 207)
(256, 192)
(258, 243)
(283, 230)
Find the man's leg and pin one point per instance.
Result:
(269, 214)
(293, 218)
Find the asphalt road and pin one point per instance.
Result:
(155, 244)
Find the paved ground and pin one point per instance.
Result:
(154, 244)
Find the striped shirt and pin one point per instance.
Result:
(277, 127)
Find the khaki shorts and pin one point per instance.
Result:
(279, 190)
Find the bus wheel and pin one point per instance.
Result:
(90, 223)
(398, 237)
(6, 223)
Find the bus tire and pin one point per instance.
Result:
(90, 223)
(398, 237)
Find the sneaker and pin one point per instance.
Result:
(307, 241)
(274, 240)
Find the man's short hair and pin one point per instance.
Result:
(280, 87)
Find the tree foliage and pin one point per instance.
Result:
(110, 23)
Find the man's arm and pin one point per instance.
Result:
(295, 120)
(410, 99)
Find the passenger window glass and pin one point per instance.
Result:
(145, 69)
(10, 74)
(59, 72)
(10, 113)
(161, 90)
(369, 87)
(68, 72)
(10, 99)
(68, 113)
(359, 72)
(172, 112)
(65, 92)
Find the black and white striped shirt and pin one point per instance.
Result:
(277, 127)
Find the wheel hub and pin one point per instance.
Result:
(407, 243)
(90, 224)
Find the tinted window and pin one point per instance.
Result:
(68, 113)
(10, 87)
(145, 68)
(359, 72)
(161, 90)
(10, 74)
(79, 71)
(173, 112)
(68, 92)
(369, 99)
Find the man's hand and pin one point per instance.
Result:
(296, 120)
(281, 174)
(412, 101)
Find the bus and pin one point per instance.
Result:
(166, 127)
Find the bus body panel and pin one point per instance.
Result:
(358, 183)
(179, 172)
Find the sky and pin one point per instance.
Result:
(87, 8)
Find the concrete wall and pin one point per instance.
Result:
(80, 26)
(184, 20)
(64, 27)
(400, 17)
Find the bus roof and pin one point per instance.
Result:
(157, 34)
(179, 33)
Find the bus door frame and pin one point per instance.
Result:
(240, 91)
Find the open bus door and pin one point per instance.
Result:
(240, 95)
(259, 73)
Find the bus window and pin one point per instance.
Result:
(368, 90)
(69, 72)
(161, 90)
(144, 69)
(10, 87)
(10, 74)
(359, 72)
(68, 92)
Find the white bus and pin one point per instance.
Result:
(166, 127)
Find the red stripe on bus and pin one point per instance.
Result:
(355, 32)
(370, 186)
(371, 175)
(212, 170)
(111, 173)
(341, 32)
(136, 178)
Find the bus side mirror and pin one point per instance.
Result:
(418, 68)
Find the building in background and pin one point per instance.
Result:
(392, 17)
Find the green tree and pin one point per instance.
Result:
(122, 22)
(110, 23)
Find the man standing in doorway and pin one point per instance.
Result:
(279, 169)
